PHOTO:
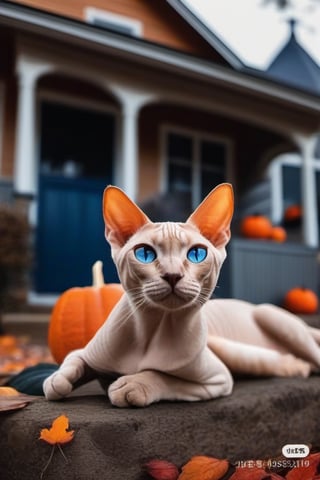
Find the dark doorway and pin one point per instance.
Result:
(76, 163)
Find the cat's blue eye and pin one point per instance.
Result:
(197, 254)
(145, 254)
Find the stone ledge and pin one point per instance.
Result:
(256, 421)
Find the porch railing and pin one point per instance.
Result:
(262, 271)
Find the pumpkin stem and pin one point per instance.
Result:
(97, 274)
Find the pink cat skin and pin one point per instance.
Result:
(165, 340)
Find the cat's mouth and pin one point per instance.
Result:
(172, 298)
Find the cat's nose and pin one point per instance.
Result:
(172, 278)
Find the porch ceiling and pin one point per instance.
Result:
(192, 80)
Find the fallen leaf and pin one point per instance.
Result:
(162, 470)
(58, 433)
(204, 468)
(306, 472)
(8, 341)
(253, 473)
(5, 391)
(15, 401)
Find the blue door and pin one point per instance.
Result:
(76, 159)
(70, 235)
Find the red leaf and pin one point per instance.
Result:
(306, 472)
(253, 473)
(162, 470)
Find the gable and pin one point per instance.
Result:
(156, 22)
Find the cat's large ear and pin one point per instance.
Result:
(122, 216)
(214, 215)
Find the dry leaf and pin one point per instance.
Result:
(162, 470)
(11, 403)
(15, 401)
(57, 434)
(253, 473)
(204, 468)
(305, 472)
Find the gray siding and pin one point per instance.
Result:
(261, 271)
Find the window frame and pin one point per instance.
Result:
(276, 180)
(197, 137)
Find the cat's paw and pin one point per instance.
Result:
(57, 386)
(128, 391)
(291, 366)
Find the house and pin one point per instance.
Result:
(141, 94)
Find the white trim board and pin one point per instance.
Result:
(92, 14)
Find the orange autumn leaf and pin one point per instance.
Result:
(5, 391)
(8, 341)
(206, 468)
(58, 433)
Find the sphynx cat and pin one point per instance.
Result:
(165, 339)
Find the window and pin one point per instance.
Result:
(111, 21)
(285, 177)
(291, 185)
(195, 164)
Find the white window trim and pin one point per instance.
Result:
(92, 13)
(275, 175)
(197, 136)
(2, 111)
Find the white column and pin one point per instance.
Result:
(25, 173)
(275, 176)
(128, 163)
(129, 149)
(309, 190)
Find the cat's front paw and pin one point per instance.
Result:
(128, 391)
(56, 386)
(291, 366)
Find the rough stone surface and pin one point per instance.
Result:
(259, 418)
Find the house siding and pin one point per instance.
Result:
(160, 23)
(8, 80)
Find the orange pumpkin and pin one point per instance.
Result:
(256, 226)
(301, 300)
(278, 234)
(80, 312)
(293, 213)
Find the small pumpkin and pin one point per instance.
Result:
(278, 234)
(301, 300)
(256, 226)
(80, 312)
(293, 213)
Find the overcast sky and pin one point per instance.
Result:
(256, 33)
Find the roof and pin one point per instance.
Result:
(216, 43)
(294, 66)
(74, 32)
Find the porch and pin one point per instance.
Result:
(164, 136)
